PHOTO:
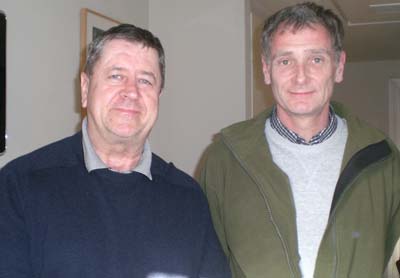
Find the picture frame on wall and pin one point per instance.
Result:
(92, 24)
(3, 87)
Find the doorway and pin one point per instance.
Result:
(394, 134)
(394, 110)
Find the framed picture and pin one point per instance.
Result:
(93, 24)
(3, 87)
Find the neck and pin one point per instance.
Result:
(305, 126)
(119, 156)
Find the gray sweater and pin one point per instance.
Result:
(313, 171)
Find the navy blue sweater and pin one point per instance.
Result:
(59, 221)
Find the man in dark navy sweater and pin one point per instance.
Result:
(99, 204)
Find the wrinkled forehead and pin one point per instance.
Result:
(305, 29)
(117, 49)
(293, 28)
(126, 43)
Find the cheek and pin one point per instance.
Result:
(152, 105)
(106, 96)
(154, 109)
(279, 85)
(282, 78)
(327, 87)
(151, 98)
(100, 102)
(277, 92)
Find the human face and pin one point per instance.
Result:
(121, 96)
(302, 71)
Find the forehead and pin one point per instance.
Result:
(126, 51)
(314, 35)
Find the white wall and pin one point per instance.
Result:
(207, 72)
(42, 66)
(365, 90)
(262, 94)
(205, 43)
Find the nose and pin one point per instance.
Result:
(130, 91)
(301, 73)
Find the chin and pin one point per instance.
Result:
(300, 109)
(124, 132)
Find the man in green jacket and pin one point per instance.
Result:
(304, 189)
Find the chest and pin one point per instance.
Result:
(83, 227)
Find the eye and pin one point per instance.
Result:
(116, 76)
(284, 62)
(317, 60)
(145, 82)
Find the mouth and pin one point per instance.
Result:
(126, 111)
(301, 93)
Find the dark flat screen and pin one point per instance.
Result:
(2, 81)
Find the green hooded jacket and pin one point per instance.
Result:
(253, 210)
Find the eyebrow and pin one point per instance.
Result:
(280, 54)
(148, 73)
(320, 51)
(312, 51)
(144, 72)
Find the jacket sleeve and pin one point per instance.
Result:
(212, 182)
(394, 214)
(14, 238)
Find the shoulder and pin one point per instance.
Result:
(357, 127)
(177, 186)
(62, 153)
(247, 128)
(217, 153)
(238, 138)
(362, 136)
(167, 172)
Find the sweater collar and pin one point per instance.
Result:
(293, 137)
(93, 161)
(247, 138)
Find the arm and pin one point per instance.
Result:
(14, 238)
(213, 182)
(211, 179)
(214, 263)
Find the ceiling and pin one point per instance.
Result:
(372, 27)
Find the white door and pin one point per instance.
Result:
(394, 110)
(394, 134)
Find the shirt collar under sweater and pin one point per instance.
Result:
(93, 161)
(292, 136)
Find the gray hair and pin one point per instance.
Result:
(129, 33)
(299, 16)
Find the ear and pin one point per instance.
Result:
(266, 70)
(340, 67)
(84, 89)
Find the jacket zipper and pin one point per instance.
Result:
(331, 220)
(268, 208)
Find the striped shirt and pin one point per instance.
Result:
(293, 137)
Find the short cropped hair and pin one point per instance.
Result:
(299, 16)
(129, 33)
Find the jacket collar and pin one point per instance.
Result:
(360, 133)
(247, 142)
(247, 139)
